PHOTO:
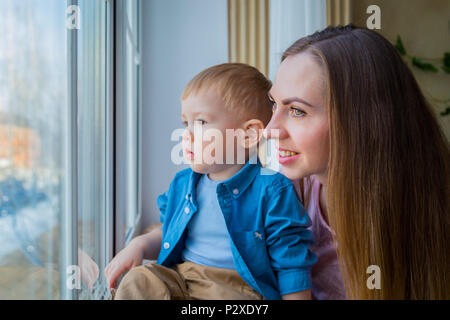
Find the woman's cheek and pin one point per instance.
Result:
(321, 147)
(305, 141)
(313, 144)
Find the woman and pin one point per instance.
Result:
(364, 139)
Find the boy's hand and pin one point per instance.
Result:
(301, 295)
(129, 257)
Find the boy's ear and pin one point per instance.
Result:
(253, 133)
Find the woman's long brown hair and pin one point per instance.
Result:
(388, 180)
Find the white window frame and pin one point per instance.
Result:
(128, 127)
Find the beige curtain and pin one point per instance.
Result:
(339, 12)
(248, 33)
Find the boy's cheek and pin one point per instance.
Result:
(187, 144)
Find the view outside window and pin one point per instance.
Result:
(32, 112)
(36, 144)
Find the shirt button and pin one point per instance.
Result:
(236, 191)
(187, 197)
(187, 210)
(166, 245)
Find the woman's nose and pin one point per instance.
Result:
(275, 128)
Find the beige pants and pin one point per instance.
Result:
(186, 280)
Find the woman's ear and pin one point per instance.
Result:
(253, 133)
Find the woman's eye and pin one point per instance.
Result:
(294, 112)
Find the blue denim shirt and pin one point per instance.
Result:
(266, 222)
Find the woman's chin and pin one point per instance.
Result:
(291, 173)
(294, 172)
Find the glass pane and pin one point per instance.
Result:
(92, 147)
(128, 120)
(33, 109)
(54, 149)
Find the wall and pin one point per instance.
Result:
(289, 21)
(179, 39)
(424, 27)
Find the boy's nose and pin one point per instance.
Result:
(188, 136)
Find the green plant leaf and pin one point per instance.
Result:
(446, 69)
(399, 46)
(423, 65)
(447, 60)
(446, 112)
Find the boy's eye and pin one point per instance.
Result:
(294, 112)
(200, 121)
(274, 105)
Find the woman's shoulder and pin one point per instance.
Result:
(327, 277)
(311, 193)
(310, 197)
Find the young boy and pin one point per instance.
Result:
(229, 232)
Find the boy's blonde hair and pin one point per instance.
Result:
(243, 89)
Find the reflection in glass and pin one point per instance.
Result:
(32, 109)
(35, 129)
(92, 60)
(128, 125)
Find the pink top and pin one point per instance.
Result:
(327, 282)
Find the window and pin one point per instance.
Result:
(56, 149)
(32, 143)
(128, 124)
(89, 49)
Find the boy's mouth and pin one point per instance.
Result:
(188, 154)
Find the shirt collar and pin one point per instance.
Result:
(235, 185)
(238, 183)
(193, 180)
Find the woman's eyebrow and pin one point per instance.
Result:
(290, 100)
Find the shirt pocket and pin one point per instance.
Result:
(252, 247)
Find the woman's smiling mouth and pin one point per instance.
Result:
(285, 156)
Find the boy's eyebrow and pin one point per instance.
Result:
(292, 99)
(196, 114)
